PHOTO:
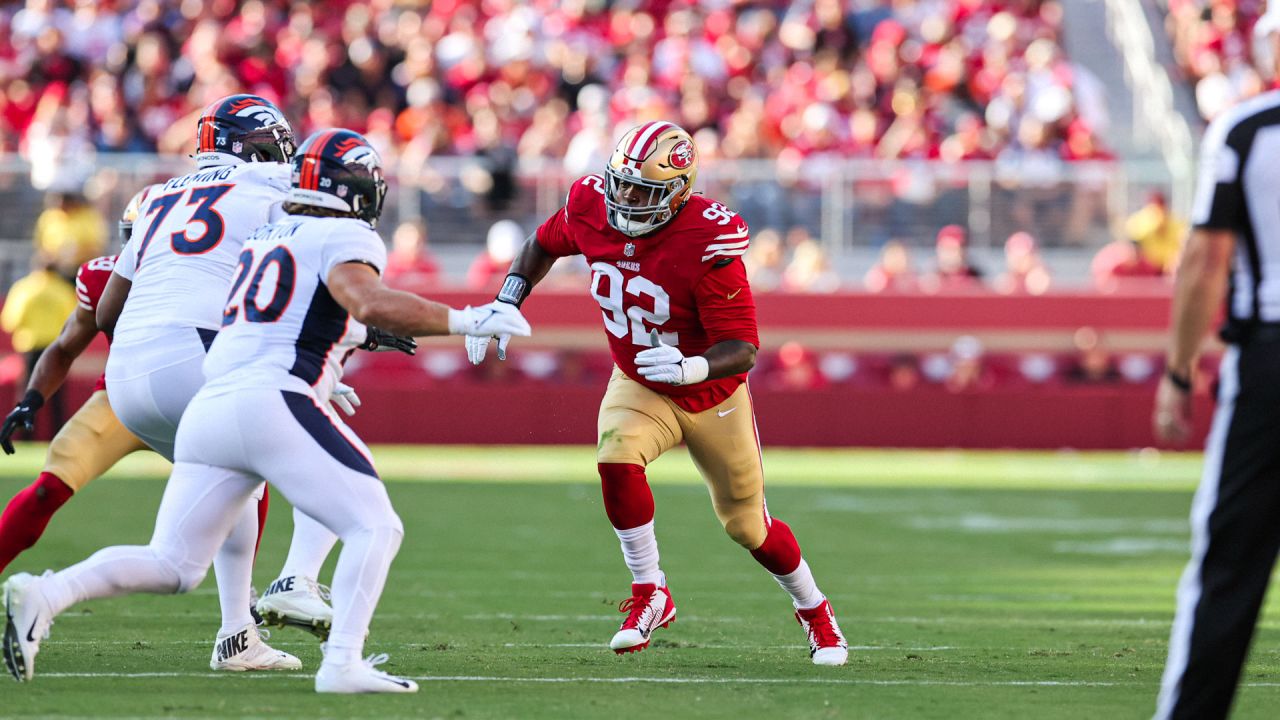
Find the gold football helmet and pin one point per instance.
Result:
(649, 177)
(131, 212)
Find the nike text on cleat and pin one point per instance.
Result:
(361, 677)
(650, 607)
(27, 621)
(244, 650)
(827, 645)
(297, 601)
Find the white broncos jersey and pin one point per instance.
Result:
(186, 243)
(281, 328)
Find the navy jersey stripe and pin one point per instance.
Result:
(322, 430)
(207, 337)
(322, 328)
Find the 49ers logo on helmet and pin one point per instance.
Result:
(682, 155)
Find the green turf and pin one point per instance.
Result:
(972, 585)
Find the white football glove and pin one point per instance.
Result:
(481, 324)
(344, 398)
(496, 318)
(478, 345)
(666, 364)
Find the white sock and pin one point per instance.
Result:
(340, 656)
(800, 585)
(110, 572)
(640, 550)
(357, 584)
(309, 548)
(233, 567)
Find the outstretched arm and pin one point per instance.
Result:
(356, 287)
(530, 265)
(55, 362)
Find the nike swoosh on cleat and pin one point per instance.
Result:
(31, 631)
(401, 683)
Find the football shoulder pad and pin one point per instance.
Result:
(91, 280)
(725, 235)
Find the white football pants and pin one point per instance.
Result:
(227, 444)
(150, 386)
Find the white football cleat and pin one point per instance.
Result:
(297, 601)
(650, 607)
(826, 643)
(27, 621)
(362, 676)
(244, 650)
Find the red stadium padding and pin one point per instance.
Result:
(534, 412)
(913, 311)
(415, 400)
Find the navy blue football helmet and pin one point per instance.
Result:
(243, 128)
(338, 169)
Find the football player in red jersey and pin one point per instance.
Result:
(681, 323)
(91, 441)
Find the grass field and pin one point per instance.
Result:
(970, 585)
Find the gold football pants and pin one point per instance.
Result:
(89, 444)
(636, 425)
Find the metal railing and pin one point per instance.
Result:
(847, 204)
(1156, 118)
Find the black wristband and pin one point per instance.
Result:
(514, 289)
(33, 399)
(1182, 382)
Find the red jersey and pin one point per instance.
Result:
(91, 280)
(686, 280)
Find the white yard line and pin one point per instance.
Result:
(148, 644)
(655, 680)
(700, 646)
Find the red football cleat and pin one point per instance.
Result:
(650, 607)
(826, 644)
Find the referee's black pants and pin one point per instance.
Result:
(1235, 536)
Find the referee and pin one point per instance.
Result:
(1233, 251)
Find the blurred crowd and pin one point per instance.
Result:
(1216, 44)
(951, 79)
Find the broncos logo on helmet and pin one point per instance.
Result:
(264, 114)
(339, 170)
(243, 128)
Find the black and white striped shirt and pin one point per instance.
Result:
(1238, 189)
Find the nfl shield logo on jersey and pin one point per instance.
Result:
(629, 249)
(342, 191)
